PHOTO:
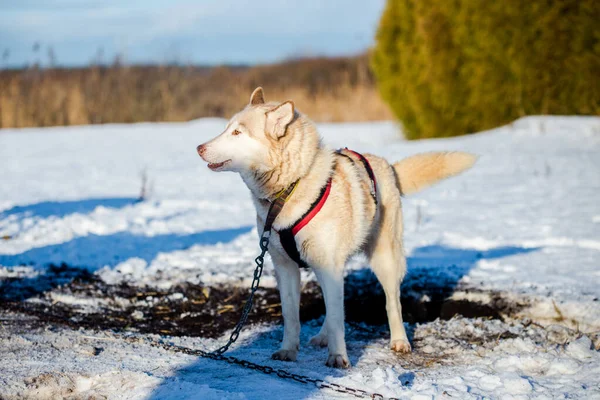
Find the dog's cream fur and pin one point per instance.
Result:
(271, 145)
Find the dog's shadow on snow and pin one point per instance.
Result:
(434, 272)
(205, 378)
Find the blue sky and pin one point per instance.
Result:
(200, 32)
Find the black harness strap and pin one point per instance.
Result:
(367, 166)
(289, 245)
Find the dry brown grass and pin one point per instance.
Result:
(326, 89)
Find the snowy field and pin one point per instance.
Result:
(523, 226)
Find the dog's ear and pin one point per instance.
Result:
(279, 118)
(257, 97)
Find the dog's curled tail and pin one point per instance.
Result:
(417, 172)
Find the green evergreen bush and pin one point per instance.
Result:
(451, 67)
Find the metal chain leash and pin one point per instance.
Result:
(260, 260)
(265, 369)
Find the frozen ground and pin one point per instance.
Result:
(524, 223)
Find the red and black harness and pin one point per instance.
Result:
(286, 236)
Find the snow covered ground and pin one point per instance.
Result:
(525, 222)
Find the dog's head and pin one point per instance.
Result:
(248, 141)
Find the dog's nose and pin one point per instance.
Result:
(201, 149)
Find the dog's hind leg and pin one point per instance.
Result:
(287, 274)
(389, 265)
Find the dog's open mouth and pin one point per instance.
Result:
(218, 166)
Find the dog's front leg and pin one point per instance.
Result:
(332, 284)
(287, 274)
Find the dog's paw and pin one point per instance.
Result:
(319, 340)
(400, 346)
(338, 361)
(285, 355)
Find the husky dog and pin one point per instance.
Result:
(272, 146)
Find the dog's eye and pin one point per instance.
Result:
(235, 132)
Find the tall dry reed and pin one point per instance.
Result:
(327, 89)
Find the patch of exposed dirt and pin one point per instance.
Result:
(77, 298)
